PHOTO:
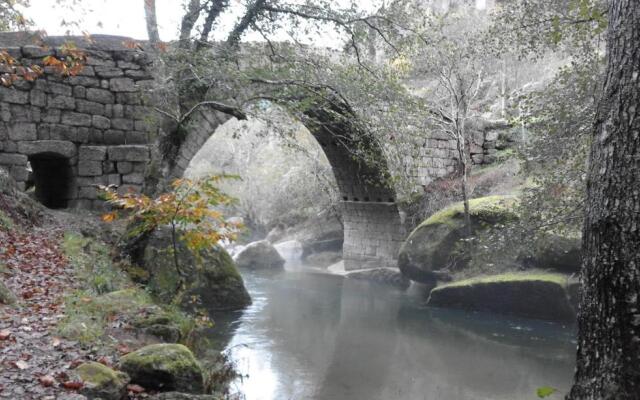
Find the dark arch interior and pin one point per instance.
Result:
(52, 179)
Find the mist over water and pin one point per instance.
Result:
(317, 336)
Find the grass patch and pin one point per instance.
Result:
(107, 293)
(509, 277)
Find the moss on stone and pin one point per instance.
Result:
(558, 279)
(490, 208)
(99, 374)
(164, 366)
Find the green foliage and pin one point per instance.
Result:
(545, 391)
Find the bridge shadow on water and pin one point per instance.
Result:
(319, 336)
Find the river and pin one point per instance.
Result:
(317, 336)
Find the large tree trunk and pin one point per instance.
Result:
(608, 363)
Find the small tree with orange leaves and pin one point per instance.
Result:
(189, 210)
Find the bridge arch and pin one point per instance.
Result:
(372, 226)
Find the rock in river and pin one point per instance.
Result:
(260, 255)
(535, 295)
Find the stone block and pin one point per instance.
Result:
(131, 98)
(79, 92)
(85, 81)
(61, 147)
(122, 123)
(32, 51)
(96, 136)
(135, 178)
(127, 65)
(118, 111)
(13, 159)
(10, 146)
(61, 102)
(109, 167)
(38, 98)
(87, 70)
(129, 188)
(100, 59)
(491, 136)
(124, 167)
(100, 96)
(114, 136)
(82, 134)
(51, 115)
(59, 89)
(137, 74)
(144, 126)
(23, 113)
(76, 119)
(93, 153)
(129, 153)
(108, 72)
(122, 85)
(90, 107)
(114, 179)
(135, 137)
(13, 95)
(19, 173)
(101, 122)
(88, 192)
(22, 131)
(89, 168)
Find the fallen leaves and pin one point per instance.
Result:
(47, 380)
(73, 385)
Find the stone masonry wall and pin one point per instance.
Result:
(98, 121)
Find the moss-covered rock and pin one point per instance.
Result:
(101, 382)
(6, 295)
(164, 367)
(212, 279)
(533, 295)
(260, 255)
(438, 242)
(562, 253)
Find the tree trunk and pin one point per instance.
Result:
(152, 21)
(608, 359)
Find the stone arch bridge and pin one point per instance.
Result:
(65, 135)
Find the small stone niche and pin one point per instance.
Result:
(53, 179)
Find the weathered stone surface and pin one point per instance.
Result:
(38, 98)
(100, 96)
(129, 153)
(259, 255)
(122, 85)
(90, 107)
(539, 296)
(13, 158)
(84, 81)
(64, 148)
(22, 131)
(108, 72)
(76, 119)
(136, 178)
(383, 276)
(122, 123)
(124, 167)
(164, 366)
(61, 102)
(89, 168)
(12, 95)
(93, 153)
(33, 51)
(100, 122)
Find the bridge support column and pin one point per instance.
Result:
(372, 234)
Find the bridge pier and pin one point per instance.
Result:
(373, 233)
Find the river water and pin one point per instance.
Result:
(317, 336)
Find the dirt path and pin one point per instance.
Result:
(34, 363)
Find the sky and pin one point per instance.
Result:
(126, 17)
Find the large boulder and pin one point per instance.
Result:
(101, 382)
(439, 242)
(323, 259)
(164, 367)
(330, 241)
(260, 255)
(212, 279)
(536, 295)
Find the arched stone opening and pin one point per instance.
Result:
(52, 176)
(373, 230)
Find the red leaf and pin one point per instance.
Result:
(73, 385)
(123, 349)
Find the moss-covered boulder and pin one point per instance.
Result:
(535, 295)
(260, 255)
(164, 367)
(101, 382)
(438, 243)
(212, 279)
(6, 295)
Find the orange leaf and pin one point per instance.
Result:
(73, 385)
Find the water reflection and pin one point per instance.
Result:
(315, 336)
